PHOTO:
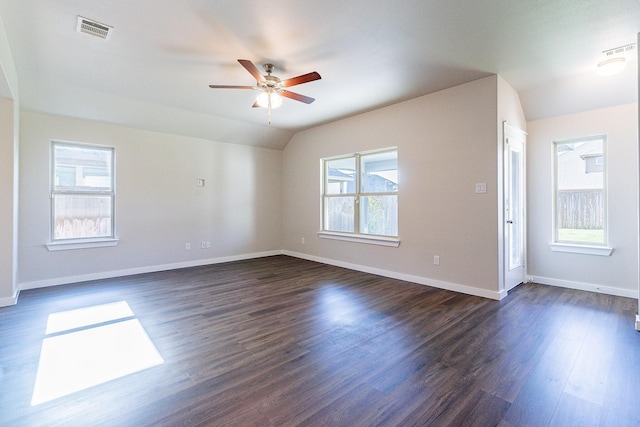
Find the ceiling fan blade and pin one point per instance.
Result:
(297, 97)
(248, 65)
(230, 87)
(309, 77)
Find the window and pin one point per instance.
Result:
(360, 194)
(82, 193)
(580, 192)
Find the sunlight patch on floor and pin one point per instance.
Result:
(80, 359)
(339, 306)
(72, 319)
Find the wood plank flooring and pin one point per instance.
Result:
(280, 341)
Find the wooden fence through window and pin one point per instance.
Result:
(581, 209)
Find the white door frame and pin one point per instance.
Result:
(513, 277)
(638, 314)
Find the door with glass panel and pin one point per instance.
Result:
(514, 206)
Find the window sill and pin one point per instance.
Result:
(80, 244)
(361, 238)
(581, 249)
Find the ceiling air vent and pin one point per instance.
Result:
(622, 50)
(93, 28)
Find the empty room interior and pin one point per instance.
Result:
(346, 213)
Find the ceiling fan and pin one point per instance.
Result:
(271, 87)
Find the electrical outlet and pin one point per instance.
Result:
(436, 259)
(203, 245)
(208, 244)
(187, 246)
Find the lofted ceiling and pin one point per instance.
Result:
(154, 70)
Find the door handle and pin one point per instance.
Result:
(509, 222)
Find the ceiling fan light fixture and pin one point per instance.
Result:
(611, 66)
(263, 99)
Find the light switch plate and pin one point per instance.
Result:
(481, 187)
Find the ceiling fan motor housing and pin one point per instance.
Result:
(270, 83)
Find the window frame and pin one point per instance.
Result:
(571, 246)
(358, 195)
(56, 244)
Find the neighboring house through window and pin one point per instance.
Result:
(360, 194)
(580, 191)
(82, 193)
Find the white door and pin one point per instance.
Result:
(514, 206)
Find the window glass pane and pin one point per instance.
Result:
(379, 215)
(81, 216)
(580, 192)
(339, 214)
(82, 169)
(380, 172)
(341, 176)
(515, 230)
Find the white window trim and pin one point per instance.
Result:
(581, 249)
(390, 241)
(83, 242)
(361, 238)
(65, 245)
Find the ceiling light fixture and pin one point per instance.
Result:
(616, 60)
(611, 66)
(271, 87)
(268, 99)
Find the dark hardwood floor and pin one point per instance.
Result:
(280, 341)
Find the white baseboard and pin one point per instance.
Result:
(140, 270)
(401, 276)
(637, 322)
(7, 301)
(465, 289)
(591, 287)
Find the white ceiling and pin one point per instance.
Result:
(155, 69)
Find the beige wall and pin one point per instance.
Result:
(8, 224)
(618, 273)
(258, 201)
(158, 205)
(509, 107)
(510, 111)
(447, 141)
(9, 116)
